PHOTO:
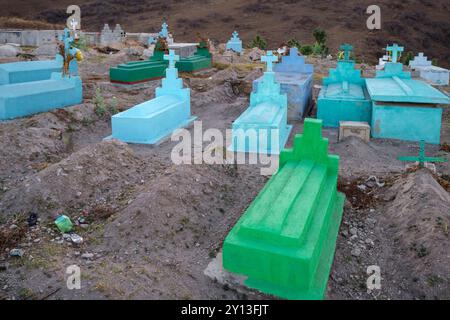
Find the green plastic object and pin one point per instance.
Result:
(285, 241)
(422, 158)
(64, 224)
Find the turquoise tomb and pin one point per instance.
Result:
(344, 96)
(151, 121)
(263, 127)
(296, 80)
(59, 90)
(404, 108)
(27, 71)
(235, 44)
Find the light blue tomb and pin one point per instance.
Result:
(58, 91)
(344, 96)
(404, 108)
(164, 33)
(26, 71)
(151, 121)
(235, 44)
(296, 79)
(263, 127)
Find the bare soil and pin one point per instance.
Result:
(153, 227)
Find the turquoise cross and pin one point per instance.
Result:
(396, 50)
(172, 57)
(235, 35)
(347, 48)
(269, 59)
(422, 158)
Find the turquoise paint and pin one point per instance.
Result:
(23, 99)
(263, 127)
(151, 121)
(296, 80)
(406, 123)
(27, 96)
(235, 44)
(404, 108)
(344, 96)
(27, 71)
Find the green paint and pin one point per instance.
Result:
(422, 158)
(285, 241)
(155, 67)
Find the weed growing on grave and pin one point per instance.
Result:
(306, 50)
(113, 106)
(294, 43)
(99, 103)
(259, 42)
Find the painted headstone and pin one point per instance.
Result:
(62, 89)
(235, 44)
(296, 80)
(404, 108)
(422, 158)
(27, 71)
(151, 121)
(263, 127)
(154, 68)
(285, 241)
(435, 75)
(343, 96)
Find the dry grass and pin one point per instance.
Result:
(18, 23)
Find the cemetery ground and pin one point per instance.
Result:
(153, 227)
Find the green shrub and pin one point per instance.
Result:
(113, 106)
(320, 36)
(407, 58)
(259, 42)
(294, 43)
(99, 103)
(306, 50)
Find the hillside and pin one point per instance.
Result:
(419, 25)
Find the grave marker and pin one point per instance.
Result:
(153, 120)
(285, 241)
(263, 127)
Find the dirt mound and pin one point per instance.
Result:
(97, 174)
(176, 225)
(372, 157)
(419, 220)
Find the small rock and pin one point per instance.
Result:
(356, 252)
(8, 50)
(87, 256)
(353, 231)
(37, 240)
(13, 226)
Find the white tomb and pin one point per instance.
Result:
(435, 75)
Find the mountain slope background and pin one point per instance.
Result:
(418, 25)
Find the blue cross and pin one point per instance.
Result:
(172, 57)
(235, 35)
(269, 59)
(395, 50)
(347, 50)
(164, 31)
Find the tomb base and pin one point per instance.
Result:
(298, 88)
(27, 71)
(410, 123)
(23, 99)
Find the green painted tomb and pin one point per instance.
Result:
(285, 241)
